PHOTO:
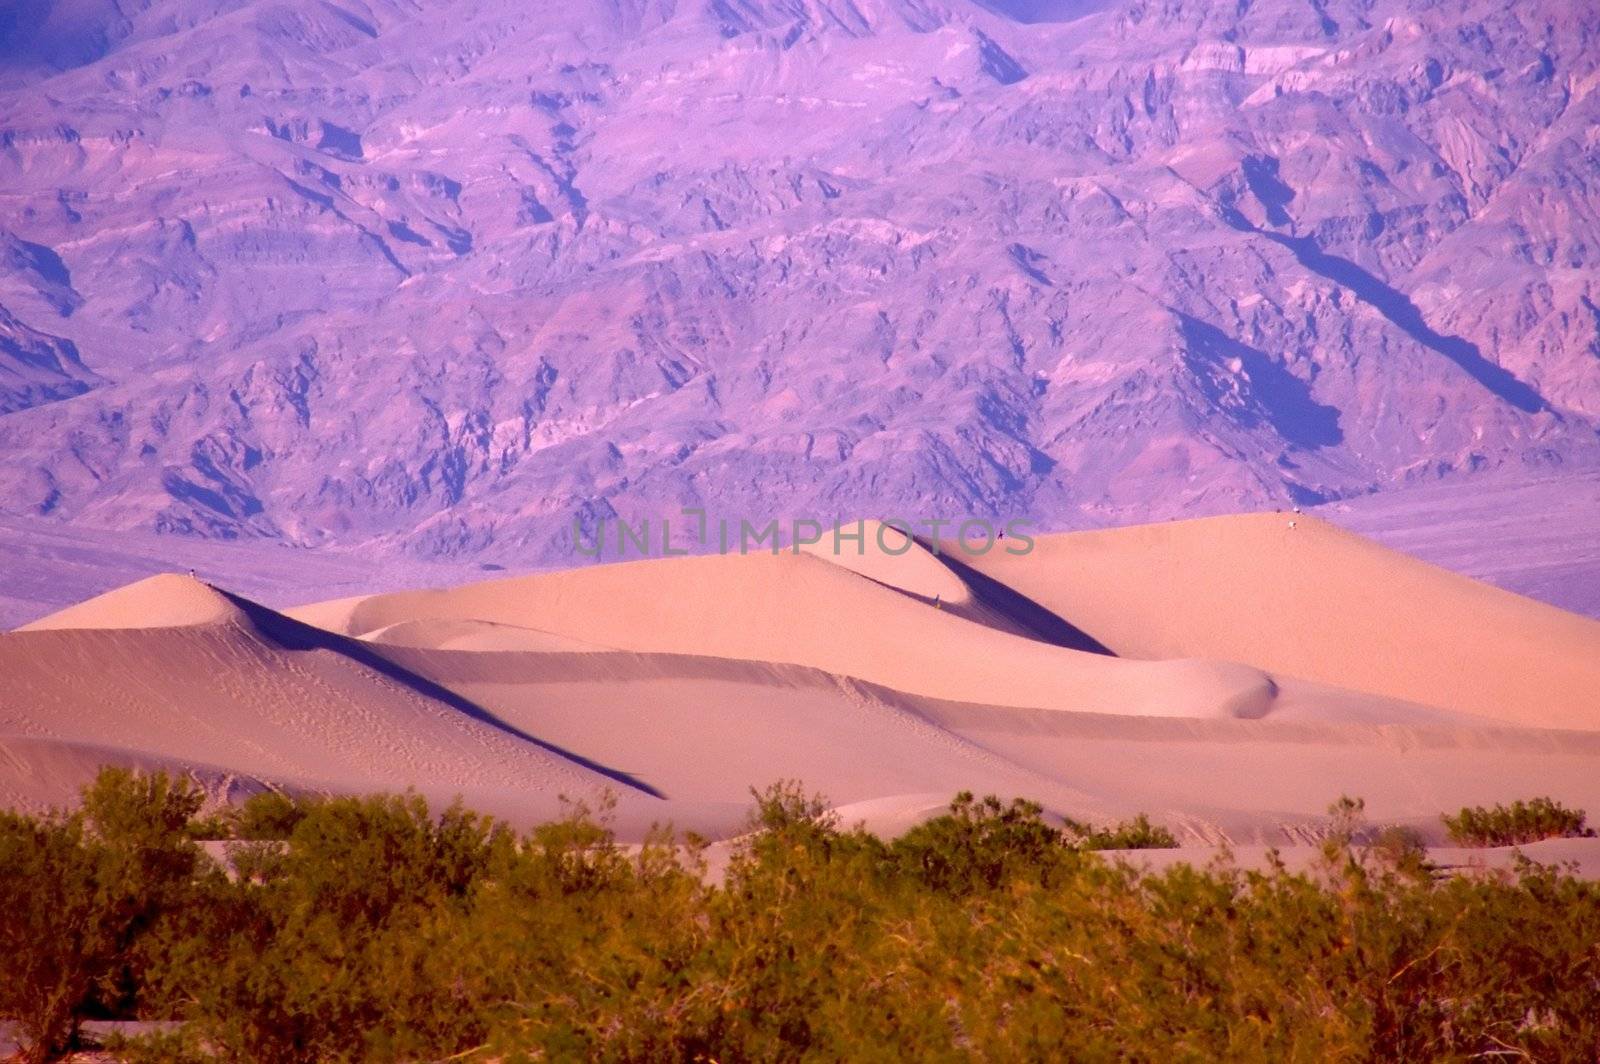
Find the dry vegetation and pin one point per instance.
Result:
(1519, 822)
(375, 929)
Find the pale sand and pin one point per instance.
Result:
(166, 600)
(1320, 603)
(450, 633)
(802, 610)
(258, 694)
(887, 682)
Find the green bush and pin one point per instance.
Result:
(985, 843)
(1519, 822)
(83, 900)
(1401, 848)
(49, 931)
(379, 930)
(1135, 834)
(268, 816)
(981, 844)
(319, 948)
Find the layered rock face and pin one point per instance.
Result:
(439, 276)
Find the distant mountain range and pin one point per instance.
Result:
(438, 276)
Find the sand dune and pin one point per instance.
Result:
(1265, 781)
(1317, 602)
(233, 685)
(803, 610)
(38, 774)
(890, 557)
(1229, 677)
(468, 634)
(166, 600)
(703, 729)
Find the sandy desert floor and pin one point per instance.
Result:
(1228, 676)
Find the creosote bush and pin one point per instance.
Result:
(85, 898)
(1135, 834)
(376, 929)
(1519, 822)
(268, 816)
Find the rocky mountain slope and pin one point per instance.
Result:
(437, 276)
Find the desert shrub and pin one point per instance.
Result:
(49, 931)
(1519, 822)
(213, 828)
(82, 897)
(1402, 848)
(149, 872)
(589, 953)
(985, 843)
(981, 844)
(268, 816)
(575, 949)
(796, 922)
(382, 931)
(1135, 834)
(320, 949)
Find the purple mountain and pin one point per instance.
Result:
(440, 275)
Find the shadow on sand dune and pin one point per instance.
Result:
(1027, 614)
(294, 635)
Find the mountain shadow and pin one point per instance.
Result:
(1398, 308)
(1261, 177)
(1031, 12)
(1404, 314)
(1278, 397)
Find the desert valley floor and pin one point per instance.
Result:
(1229, 676)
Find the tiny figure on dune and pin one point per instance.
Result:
(936, 604)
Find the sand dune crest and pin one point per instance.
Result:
(1228, 676)
(1317, 602)
(802, 610)
(166, 600)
